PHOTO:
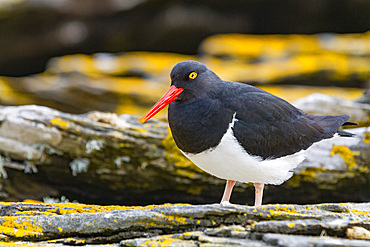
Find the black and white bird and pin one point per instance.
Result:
(238, 132)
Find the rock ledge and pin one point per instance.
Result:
(56, 224)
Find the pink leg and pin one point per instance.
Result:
(228, 189)
(259, 193)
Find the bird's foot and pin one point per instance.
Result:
(225, 204)
(228, 189)
(258, 193)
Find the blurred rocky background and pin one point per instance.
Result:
(116, 55)
(75, 77)
(34, 31)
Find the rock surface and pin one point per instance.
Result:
(108, 159)
(185, 224)
(172, 26)
(132, 82)
(321, 104)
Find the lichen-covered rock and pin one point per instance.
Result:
(278, 46)
(171, 224)
(133, 81)
(75, 27)
(76, 92)
(321, 241)
(191, 239)
(358, 232)
(284, 58)
(110, 159)
(322, 104)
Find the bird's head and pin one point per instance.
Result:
(189, 80)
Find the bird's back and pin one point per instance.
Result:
(265, 125)
(270, 127)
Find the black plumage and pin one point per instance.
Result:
(239, 132)
(265, 126)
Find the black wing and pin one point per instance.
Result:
(270, 127)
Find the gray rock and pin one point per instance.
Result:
(104, 158)
(284, 240)
(55, 224)
(322, 104)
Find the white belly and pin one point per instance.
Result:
(230, 161)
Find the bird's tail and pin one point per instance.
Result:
(346, 133)
(330, 125)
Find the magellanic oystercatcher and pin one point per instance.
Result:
(238, 132)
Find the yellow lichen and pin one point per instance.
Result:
(148, 62)
(178, 219)
(195, 190)
(244, 45)
(185, 173)
(66, 241)
(13, 226)
(308, 174)
(19, 244)
(346, 154)
(363, 169)
(290, 225)
(67, 208)
(58, 121)
(169, 218)
(31, 201)
(285, 56)
(367, 137)
(295, 181)
(174, 155)
(11, 96)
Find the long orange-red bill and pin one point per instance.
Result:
(167, 98)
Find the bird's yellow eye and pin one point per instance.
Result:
(193, 75)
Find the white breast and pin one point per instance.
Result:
(230, 161)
